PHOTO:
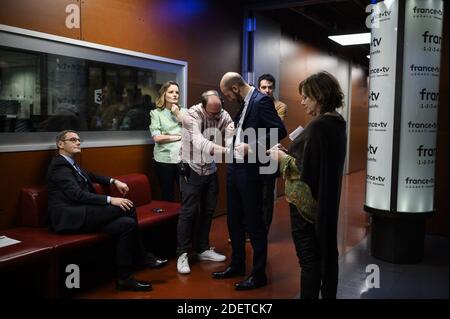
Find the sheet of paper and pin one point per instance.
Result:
(295, 133)
(6, 241)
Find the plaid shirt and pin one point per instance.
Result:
(198, 136)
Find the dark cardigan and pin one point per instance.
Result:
(320, 153)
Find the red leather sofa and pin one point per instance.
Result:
(57, 250)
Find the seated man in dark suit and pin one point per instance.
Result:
(75, 207)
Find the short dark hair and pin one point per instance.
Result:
(325, 89)
(61, 136)
(267, 77)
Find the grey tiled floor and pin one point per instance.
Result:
(428, 279)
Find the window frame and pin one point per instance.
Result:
(18, 38)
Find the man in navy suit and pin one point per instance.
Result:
(257, 127)
(74, 207)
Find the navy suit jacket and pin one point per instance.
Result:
(260, 113)
(69, 193)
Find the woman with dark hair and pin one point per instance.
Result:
(312, 169)
(165, 127)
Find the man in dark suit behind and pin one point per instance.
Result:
(244, 178)
(74, 207)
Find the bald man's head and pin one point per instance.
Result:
(233, 86)
(232, 78)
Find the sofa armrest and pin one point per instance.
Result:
(139, 185)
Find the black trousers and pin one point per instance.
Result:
(199, 199)
(168, 177)
(316, 276)
(123, 227)
(268, 199)
(245, 215)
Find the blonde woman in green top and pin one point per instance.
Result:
(165, 128)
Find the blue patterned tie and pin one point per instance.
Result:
(78, 169)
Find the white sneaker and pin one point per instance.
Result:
(183, 264)
(211, 255)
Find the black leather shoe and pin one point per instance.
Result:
(250, 283)
(151, 261)
(132, 284)
(228, 273)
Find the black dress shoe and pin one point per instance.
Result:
(228, 273)
(251, 283)
(151, 261)
(132, 284)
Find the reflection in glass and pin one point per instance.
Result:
(42, 92)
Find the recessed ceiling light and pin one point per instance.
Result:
(351, 39)
(368, 56)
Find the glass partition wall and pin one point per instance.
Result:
(50, 83)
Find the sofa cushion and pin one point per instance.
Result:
(33, 201)
(140, 190)
(29, 250)
(32, 210)
(59, 241)
(147, 216)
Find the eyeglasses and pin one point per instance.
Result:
(73, 140)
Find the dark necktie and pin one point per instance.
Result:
(239, 114)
